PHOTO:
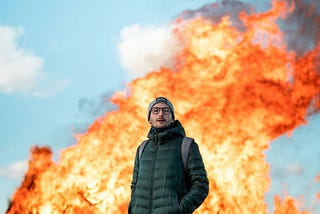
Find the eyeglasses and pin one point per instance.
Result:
(165, 110)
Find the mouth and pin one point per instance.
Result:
(161, 120)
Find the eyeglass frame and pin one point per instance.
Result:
(161, 109)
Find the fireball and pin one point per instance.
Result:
(235, 89)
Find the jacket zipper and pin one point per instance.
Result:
(153, 172)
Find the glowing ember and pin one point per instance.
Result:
(234, 91)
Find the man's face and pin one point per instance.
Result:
(160, 116)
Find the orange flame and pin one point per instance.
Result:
(318, 180)
(234, 91)
(289, 206)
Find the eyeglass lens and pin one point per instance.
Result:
(156, 110)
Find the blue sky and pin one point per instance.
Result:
(64, 65)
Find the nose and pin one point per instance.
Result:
(161, 111)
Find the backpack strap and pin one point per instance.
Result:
(141, 147)
(185, 148)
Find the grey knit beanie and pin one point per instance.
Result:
(160, 100)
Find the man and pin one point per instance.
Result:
(161, 184)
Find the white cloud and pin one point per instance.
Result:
(145, 49)
(21, 70)
(15, 170)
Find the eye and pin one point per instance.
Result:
(155, 110)
(166, 110)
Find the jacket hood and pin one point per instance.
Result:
(172, 131)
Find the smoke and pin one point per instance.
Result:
(96, 106)
(91, 108)
(301, 26)
(145, 49)
(216, 11)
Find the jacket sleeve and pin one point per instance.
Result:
(135, 173)
(134, 178)
(197, 181)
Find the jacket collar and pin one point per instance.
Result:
(162, 135)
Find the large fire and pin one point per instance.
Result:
(234, 90)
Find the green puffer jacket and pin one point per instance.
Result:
(160, 185)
